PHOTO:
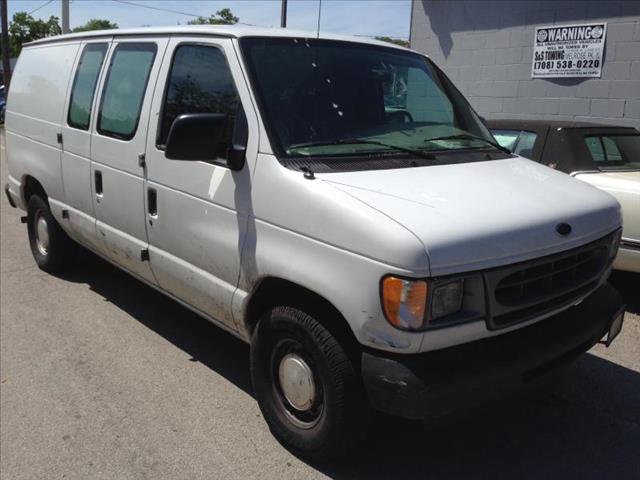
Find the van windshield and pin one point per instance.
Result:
(325, 98)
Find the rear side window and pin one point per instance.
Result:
(595, 147)
(84, 85)
(611, 149)
(615, 152)
(199, 82)
(124, 89)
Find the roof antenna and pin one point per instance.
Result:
(319, 15)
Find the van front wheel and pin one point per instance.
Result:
(50, 245)
(306, 386)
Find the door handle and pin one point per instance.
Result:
(152, 202)
(97, 179)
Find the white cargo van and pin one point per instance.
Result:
(335, 202)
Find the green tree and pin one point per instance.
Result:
(24, 28)
(96, 24)
(222, 17)
(397, 41)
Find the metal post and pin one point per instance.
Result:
(6, 50)
(65, 16)
(283, 14)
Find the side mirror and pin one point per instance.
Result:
(195, 136)
(199, 136)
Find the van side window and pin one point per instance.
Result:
(124, 89)
(84, 85)
(199, 82)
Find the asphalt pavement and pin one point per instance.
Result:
(101, 377)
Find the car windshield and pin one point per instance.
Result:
(324, 98)
(615, 152)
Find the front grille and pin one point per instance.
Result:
(522, 291)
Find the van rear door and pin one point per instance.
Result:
(118, 149)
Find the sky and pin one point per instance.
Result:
(352, 17)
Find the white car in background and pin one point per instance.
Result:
(604, 156)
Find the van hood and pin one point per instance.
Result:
(480, 215)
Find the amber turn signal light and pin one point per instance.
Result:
(404, 301)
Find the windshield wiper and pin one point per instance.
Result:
(469, 136)
(363, 141)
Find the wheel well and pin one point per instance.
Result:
(33, 187)
(272, 292)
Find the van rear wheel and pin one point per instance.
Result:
(51, 247)
(306, 386)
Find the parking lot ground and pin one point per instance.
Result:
(102, 377)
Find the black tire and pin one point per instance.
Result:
(60, 249)
(338, 419)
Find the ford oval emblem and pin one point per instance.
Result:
(563, 229)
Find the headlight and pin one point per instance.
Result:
(446, 299)
(410, 304)
(615, 244)
(404, 301)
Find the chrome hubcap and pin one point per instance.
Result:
(296, 382)
(42, 235)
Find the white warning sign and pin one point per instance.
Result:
(563, 51)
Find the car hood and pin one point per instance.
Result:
(479, 215)
(625, 187)
(619, 180)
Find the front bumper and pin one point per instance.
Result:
(628, 258)
(433, 383)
